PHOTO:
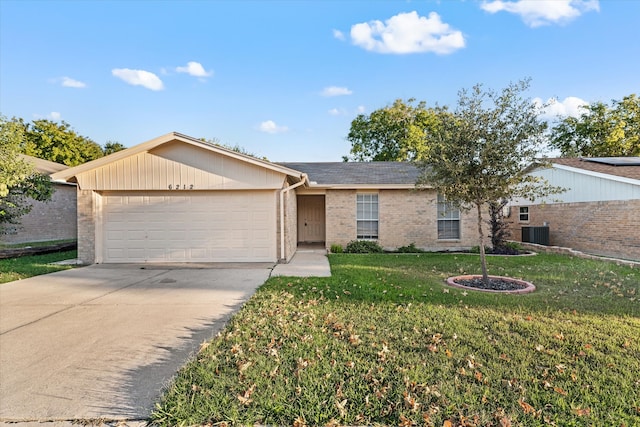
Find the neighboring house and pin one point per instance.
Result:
(179, 199)
(47, 221)
(598, 214)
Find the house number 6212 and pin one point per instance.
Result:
(180, 187)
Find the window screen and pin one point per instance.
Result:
(367, 216)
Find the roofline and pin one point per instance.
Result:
(153, 143)
(313, 185)
(39, 163)
(597, 174)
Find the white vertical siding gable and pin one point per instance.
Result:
(177, 164)
(586, 186)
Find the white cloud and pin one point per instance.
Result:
(344, 112)
(194, 69)
(336, 91)
(408, 33)
(570, 106)
(54, 115)
(338, 34)
(138, 78)
(536, 13)
(270, 126)
(69, 82)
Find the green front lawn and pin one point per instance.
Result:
(383, 341)
(20, 268)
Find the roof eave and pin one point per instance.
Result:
(365, 186)
(598, 174)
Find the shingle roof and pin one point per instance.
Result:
(44, 166)
(358, 173)
(632, 172)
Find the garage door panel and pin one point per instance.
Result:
(198, 254)
(178, 255)
(116, 253)
(136, 234)
(196, 227)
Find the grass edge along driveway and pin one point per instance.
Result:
(34, 265)
(384, 341)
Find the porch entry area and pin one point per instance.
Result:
(311, 219)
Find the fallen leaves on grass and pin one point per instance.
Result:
(245, 398)
(528, 409)
(581, 412)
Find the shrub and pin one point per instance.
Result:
(476, 250)
(336, 249)
(363, 247)
(507, 248)
(411, 249)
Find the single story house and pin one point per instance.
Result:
(599, 213)
(179, 199)
(47, 221)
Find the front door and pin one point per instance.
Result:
(311, 225)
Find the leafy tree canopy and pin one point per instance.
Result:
(19, 182)
(479, 154)
(111, 147)
(58, 143)
(237, 148)
(398, 132)
(601, 130)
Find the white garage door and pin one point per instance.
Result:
(225, 226)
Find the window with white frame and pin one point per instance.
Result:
(524, 214)
(448, 219)
(367, 216)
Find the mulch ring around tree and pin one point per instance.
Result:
(506, 285)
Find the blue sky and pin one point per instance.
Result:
(284, 79)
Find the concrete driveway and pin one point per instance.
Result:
(100, 342)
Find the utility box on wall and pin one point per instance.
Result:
(538, 235)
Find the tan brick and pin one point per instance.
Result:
(87, 226)
(405, 217)
(52, 220)
(610, 228)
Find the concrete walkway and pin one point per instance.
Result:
(305, 263)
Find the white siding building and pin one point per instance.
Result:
(598, 213)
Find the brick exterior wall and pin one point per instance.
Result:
(405, 217)
(87, 200)
(290, 225)
(340, 217)
(609, 228)
(52, 220)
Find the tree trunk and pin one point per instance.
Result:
(483, 256)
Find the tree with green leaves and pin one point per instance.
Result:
(398, 132)
(480, 152)
(601, 130)
(237, 148)
(19, 181)
(58, 142)
(111, 147)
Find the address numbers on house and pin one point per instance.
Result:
(180, 186)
